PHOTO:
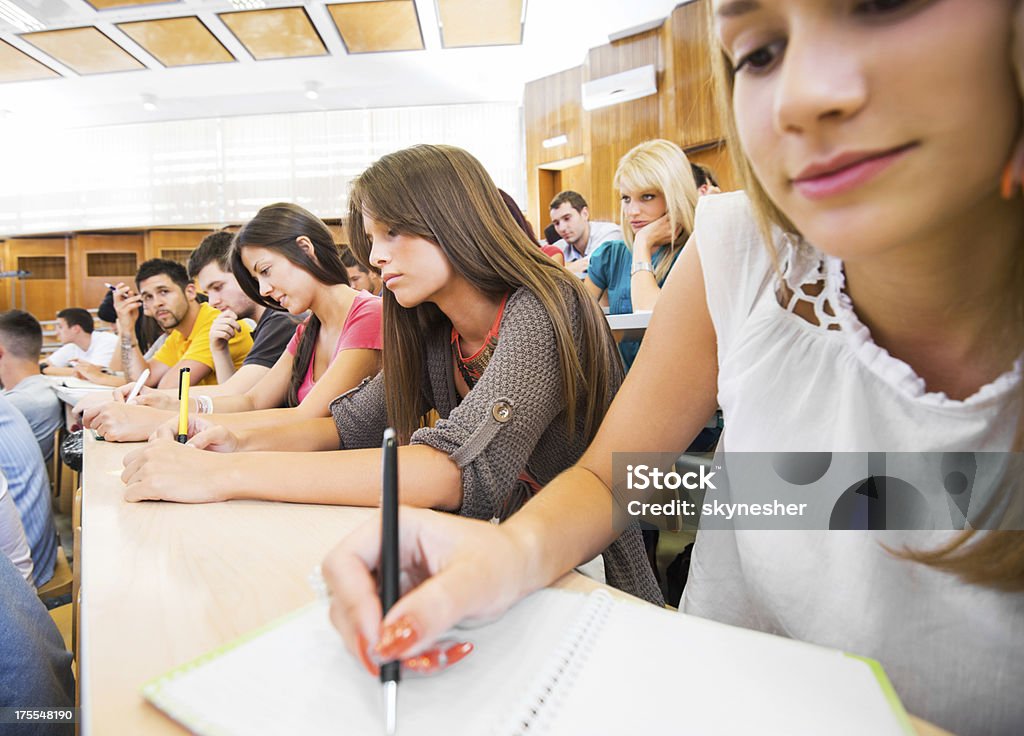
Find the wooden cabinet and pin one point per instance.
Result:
(46, 290)
(174, 245)
(101, 258)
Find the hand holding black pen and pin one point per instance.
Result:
(390, 672)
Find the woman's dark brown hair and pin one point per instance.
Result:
(278, 227)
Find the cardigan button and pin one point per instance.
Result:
(501, 411)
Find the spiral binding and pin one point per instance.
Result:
(563, 668)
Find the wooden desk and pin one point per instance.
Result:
(164, 583)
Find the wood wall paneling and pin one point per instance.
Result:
(97, 259)
(551, 107)
(5, 284)
(616, 129)
(719, 160)
(682, 111)
(695, 117)
(47, 291)
(170, 243)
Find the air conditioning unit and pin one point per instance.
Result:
(621, 87)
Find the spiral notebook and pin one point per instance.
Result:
(557, 663)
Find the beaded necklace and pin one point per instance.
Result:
(473, 367)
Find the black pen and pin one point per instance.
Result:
(390, 672)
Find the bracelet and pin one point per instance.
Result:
(204, 405)
(639, 266)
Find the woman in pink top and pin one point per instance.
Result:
(285, 259)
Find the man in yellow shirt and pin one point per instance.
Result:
(167, 295)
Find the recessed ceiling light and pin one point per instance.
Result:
(149, 103)
(312, 91)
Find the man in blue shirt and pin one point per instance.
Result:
(21, 461)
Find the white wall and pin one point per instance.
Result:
(222, 170)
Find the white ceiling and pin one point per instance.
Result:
(557, 35)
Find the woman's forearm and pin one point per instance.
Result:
(570, 521)
(233, 404)
(291, 433)
(427, 477)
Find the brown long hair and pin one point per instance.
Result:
(994, 559)
(277, 227)
(444, 195)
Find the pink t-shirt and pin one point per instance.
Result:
(362, 329)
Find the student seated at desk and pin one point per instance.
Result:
(36, 672)
(21, 463)
(867, 181)
(285, 261)
(169, 296)
(13, 543)
(79, 341)
(480, 326)
(21, 338)
(658, 195)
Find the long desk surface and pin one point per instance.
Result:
(163, 583)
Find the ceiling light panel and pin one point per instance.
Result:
(178, 41)
(384, 25)
(17, 66)
(84, 50)
(279, 33)
(480, 22)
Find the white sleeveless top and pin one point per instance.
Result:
(955, 652)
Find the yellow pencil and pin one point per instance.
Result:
(184, 377)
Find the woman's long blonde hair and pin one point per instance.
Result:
(993, 559)
(661, 166)
(444, 195)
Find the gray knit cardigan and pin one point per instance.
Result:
(513, 420)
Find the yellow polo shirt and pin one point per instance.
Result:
(196, 346)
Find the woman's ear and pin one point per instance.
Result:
(307, 247)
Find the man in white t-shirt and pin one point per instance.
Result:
(21, 338)
(579, 235)
(79, 343)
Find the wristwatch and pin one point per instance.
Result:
(641, 266)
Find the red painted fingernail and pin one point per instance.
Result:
(435, 660)
(364, 657)
(396, 638)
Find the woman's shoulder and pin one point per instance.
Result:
(366, 303)
(610, 252)
(730, 239)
